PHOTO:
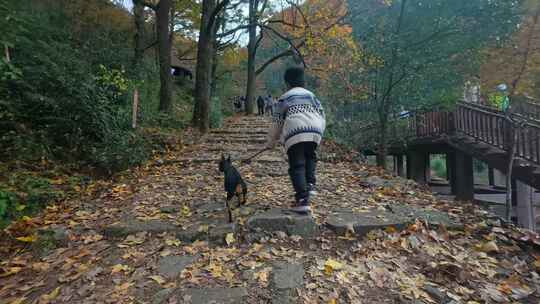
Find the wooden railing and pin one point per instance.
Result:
(482, 123)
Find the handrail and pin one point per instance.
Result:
(484, 124)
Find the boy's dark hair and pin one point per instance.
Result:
(294, 77)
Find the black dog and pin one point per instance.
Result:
(234, 184)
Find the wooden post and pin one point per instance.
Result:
(135, 106)
(464, 176)
(6, 52)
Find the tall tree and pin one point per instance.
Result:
(205, 55)
(163, 18)
(252, 51)
(415, 53)
(138, 17)
(164, 48)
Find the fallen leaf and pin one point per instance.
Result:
(159, 279)
(330, 265)
(229, 239)
(119, 267)
(488, 247)
(173, 242)
(262, 275)
(27, 239)
(10, 271)
(123, 287)
(50, 296)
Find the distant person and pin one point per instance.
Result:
(242, 103)
(237, 104)
(268, 105)
(260, 105)
(299, 122)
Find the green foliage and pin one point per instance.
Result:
(438, 166)
(216, 116)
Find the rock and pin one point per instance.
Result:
(215, 295)
(171, 266)
(192, 234)
(432, 217)
(283, 220)
(169, 209)
(363, 223)
(49, 239)
(286, 277)
(162, 296)
(217, 234)
(376, 181)
(210, 207)
(436, 294)
(135, 226)
(57, 235)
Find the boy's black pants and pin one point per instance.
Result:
(302, 162)
(260, 109)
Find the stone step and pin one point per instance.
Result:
(215, 233)
(242, 131)
(282, 220)
(395, 216)
(241, 141)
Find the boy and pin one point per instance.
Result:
(299, 123)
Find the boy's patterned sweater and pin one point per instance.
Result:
(298, 117)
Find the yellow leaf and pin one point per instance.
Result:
(20, 207)
(332, 301)
(262, 275)
(203, 228)
(52, 295)
(390, 229)
(11, 270)
(330, 265)
(173, 242)
(488, 247)
(160, 280)
(119, 267)
(537, 262)
(26, 219)
(165, 253)
(215, 269)
(229, 239)
(27, 239)
(185, 211)
(18, 301)
(123, 287)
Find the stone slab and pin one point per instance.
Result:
(171, 266)
(135, 226)
(365, 222)
(396, 216)
(215, 295)
(216, 235)
(155, 227)
(431, 216)
(286, 277)
(283, 220)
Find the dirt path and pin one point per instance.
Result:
(161, 236)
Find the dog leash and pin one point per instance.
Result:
(248, 160)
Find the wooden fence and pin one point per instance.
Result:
(484, 124)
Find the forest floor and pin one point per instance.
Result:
(159, 234)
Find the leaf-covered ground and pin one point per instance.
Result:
(65, 256)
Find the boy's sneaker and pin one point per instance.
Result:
(301, 206)
(312, 190)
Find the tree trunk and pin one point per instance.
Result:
(252, 49)
(164, 47)
(512, 152)
(382, 149)
(205, 52)
(138, 16)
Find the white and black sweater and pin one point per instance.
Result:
(298, 117)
